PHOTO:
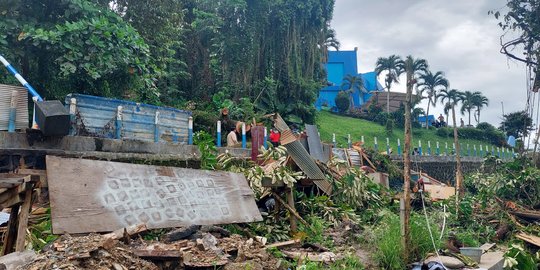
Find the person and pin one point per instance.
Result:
(415, 152)
(462, 123)
(232, 139)
(441, 120)
(274, 137)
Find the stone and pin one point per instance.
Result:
(13, 260)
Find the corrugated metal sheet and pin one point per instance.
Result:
(279, 123)
(315, 145)
(306, 163)
(96, 117)
(22, 106)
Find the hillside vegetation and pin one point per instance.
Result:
(329, 123)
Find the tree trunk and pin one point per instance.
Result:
(459, 175)
(427, 114)
(405, 240)
(469, 117)
(478, 122)
(388, 101)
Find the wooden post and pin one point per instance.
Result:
(23, 220)
(405, 227)
(290, 202)
(9, 237)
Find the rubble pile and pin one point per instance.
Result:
(88, 252)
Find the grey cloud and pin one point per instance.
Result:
(457, 37)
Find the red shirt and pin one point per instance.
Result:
(274, 136)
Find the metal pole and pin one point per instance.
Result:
(18, 76)
(190, 130)
(244, 139)
(13, 111)
(218, 134)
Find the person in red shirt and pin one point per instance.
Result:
(274, 137)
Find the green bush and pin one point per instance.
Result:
(342, 101)
(485, 126)
(442, 132)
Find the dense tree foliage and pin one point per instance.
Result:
(260, 53)
(517, 124)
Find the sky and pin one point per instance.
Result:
(457, 37)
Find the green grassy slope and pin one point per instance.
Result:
(329, 123)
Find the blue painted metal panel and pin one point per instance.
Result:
(96, 116)
(422, 119)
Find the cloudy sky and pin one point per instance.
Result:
(457, 37)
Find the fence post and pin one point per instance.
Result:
(118, 130)
(388, 146)
(363, 142)
(349, 143)
(438, 150)
(190, 130)
(468, 150)
(156, 127)
(334, 139)
(499, 152)
(492, 151)
(446, 148)
(398, 147)
(73, 116)
(13, 111)
(513, 153)
(454, 148)
(34, 123)
(244, 139)
(218, 143)
(475, 153)
(376, 147)
(419, 147)
(266, 138)
(481, 151)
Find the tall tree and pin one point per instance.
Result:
(431, 84)
(467, 103)
(393, 66)
(452, 98)
(353, 83)
(413, 68)
(517, 124)
(479, 102)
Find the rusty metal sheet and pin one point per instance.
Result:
(315, 145)
(21, 121)
(306, 163)
(257, 140)
(99, 196)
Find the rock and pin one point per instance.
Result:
(12, 260)
(449, 262)
(244, 265)
(180, 233)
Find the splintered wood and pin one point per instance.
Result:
(100, 196)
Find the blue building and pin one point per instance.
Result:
(339, 65)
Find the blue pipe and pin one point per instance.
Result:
(18, 76)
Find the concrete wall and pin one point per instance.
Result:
(442, 168)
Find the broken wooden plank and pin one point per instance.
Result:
(100, 196)
(10, 182)
(130, 230)
(284, 244)
(532, 239)
(155, 254)
(23, 221)
(11, 233)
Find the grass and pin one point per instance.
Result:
(329, 123)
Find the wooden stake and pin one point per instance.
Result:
(291, 210)
(290, 201)
(23, 220)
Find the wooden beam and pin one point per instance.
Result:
(9, 237)
(154, 254)
(131, 230)
(284, 244)
(23, 220)
(10, 182)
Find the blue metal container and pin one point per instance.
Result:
(98, 117)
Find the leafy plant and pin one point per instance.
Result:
(41, 233)
(517, 258)
(207, 148)
(342, 101)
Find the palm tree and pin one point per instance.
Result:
(452, 98)
(467, 104)
(352, 83)
(479, 101)
(430, 84)
(413, 68)
(393, 65)
(329, 41)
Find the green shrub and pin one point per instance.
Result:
(342, 101)
(443, 132)
(485, 126)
